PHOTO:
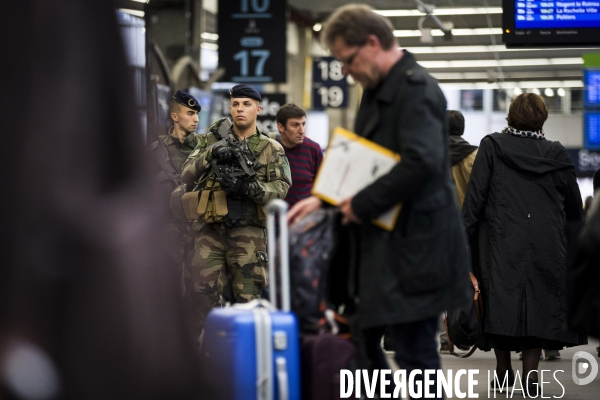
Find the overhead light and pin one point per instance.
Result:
(441, 11)
(478, 49)
(518, 91)
(561, 92)
(209, 36)
(142, 1)
(455, 32)
(209, 46)
(549, 92)
(503, 63)
(536, 91)
(556, 84)
(317, 27)
(460, 75)
(485, 76)
(511, 85)
(136, 13)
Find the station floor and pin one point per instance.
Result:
(485, 361)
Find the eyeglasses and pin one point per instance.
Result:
(350, 60)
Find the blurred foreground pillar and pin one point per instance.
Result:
(87, 308)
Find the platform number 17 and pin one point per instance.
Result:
(243, 57)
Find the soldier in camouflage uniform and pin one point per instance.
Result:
(232, 243)
(171, 151)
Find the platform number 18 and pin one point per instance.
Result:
(331, 70)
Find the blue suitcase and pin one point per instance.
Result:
(251, 351)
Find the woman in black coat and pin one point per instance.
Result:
(521, 193)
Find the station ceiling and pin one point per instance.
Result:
(476, 53)
(475, 56)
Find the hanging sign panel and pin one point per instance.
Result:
(330, 87)
(252, 40)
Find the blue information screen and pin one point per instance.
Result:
(591, 85)
(557, 14)
(591, 130)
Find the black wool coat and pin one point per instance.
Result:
(521, 194)
(420, 268)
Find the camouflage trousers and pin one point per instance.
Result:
(225, 253)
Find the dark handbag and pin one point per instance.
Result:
(313, 242)
(463, 326)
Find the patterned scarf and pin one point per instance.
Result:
(516, 132)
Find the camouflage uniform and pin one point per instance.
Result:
(237, 252)
(178, 236)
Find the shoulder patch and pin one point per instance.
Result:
(195, 153)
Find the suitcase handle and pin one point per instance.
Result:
(252, 304)
(282, 378)
(274, 207)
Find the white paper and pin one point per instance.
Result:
(352, 163)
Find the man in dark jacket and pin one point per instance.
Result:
(462, 154)
(410, 275)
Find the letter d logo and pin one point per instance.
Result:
(581, 368)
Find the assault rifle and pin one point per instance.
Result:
(244, 163)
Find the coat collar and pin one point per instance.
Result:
(388, 88)
(369, 113)
(171, 140)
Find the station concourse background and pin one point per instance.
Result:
(174, 44)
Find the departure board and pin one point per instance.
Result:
(591, 85)
(591, 130)
(557, 14)
(547, 23)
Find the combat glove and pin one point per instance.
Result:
(234, 186)
(256, 191)
(222, 154)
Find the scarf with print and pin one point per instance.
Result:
(516, 132)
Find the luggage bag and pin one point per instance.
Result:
(323, 356)
(251, 351)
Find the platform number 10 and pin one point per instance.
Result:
(255, 5)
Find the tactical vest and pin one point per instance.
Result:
(212, 205)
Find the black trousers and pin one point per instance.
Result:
(415, 347)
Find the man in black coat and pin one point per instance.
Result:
(412, 274)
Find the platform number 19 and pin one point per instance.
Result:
(331, 96)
